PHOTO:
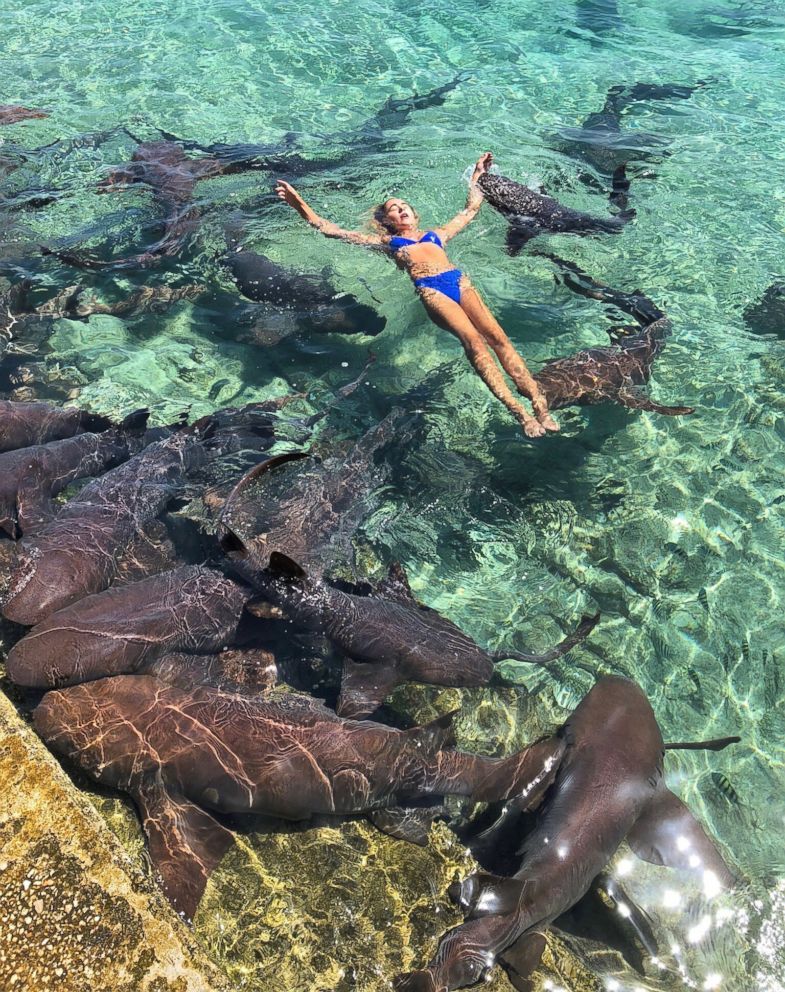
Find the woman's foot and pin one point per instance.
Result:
(543, 415)
(531, 427)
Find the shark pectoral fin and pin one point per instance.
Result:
(186, 843)
(516, 240)
(364, 687)
(666, 833)
(484, 894)
(521, 958)
(634, 400)
(407, 823)
(633, 917)
(607, 915)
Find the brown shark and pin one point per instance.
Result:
(189, 609)
(185, 755)
(165, 169)
(302, 302)
(603, 143)
(308, 508)
(767, 315)
(26, 424)
(613, 374)
(609, 787)
(286, 158)
(530, 213)
(77, 552)
(31, 476)
(386, 636)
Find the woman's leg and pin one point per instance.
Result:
(478, 313)
(450, 317)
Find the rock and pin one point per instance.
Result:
(76, 914)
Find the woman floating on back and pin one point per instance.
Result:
(447, 294)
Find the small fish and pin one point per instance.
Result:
(677, 551)
(659, 609)
(215, 389)
(703, 598)
(693, 677)
(726, 788)
(745, 649)
(660, 645)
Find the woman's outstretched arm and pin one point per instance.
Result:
(473, 201)
(290, 195)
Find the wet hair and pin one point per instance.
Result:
(379, 215)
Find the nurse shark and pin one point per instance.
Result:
(186, 756)
(609, 787)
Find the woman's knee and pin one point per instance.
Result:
(475, 348)
(496, 337)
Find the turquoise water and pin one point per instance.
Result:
(673, 528)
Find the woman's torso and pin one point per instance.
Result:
(422, 257)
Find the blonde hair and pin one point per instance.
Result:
(379, 213)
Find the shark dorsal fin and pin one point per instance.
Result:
(395, 586)
(284, 565)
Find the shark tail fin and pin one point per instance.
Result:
(135, 422)
(186, 843)
(581, 632)
(718, 744)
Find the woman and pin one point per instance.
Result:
(447, 294)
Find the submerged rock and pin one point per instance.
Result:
(341, 908)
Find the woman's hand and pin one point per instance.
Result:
(288, 194)
(484, 162)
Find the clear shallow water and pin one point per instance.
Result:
(672, 528)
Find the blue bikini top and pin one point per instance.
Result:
(395, 244)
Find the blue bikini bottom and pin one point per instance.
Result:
(447, 283)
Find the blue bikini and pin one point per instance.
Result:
(447, 283)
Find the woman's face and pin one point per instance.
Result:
(398, 215)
